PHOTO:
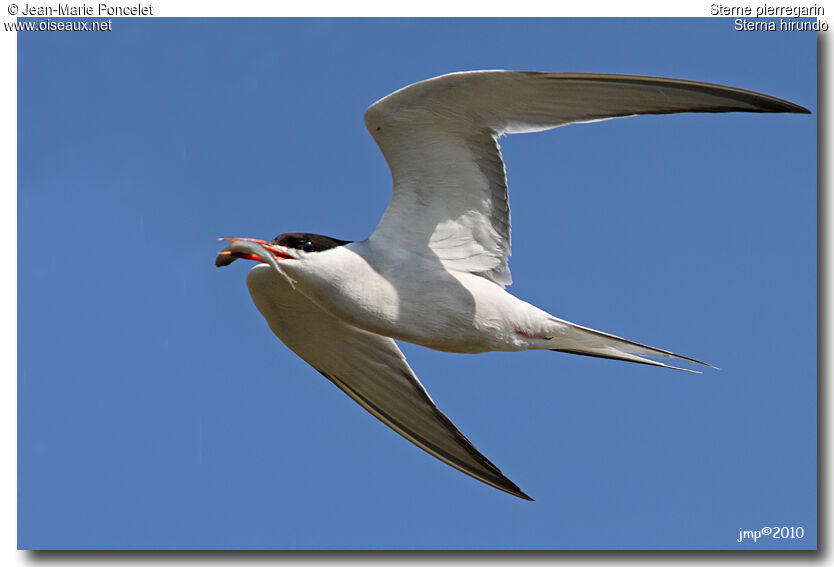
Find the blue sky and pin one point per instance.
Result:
(156, 410)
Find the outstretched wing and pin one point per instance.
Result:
(439, 138)
(372, 370)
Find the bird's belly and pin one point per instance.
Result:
(438, 321)
(440, 311)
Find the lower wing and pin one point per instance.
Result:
(372, 370)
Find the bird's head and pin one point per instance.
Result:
(288, 246)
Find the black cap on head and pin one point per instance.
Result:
(308, 242)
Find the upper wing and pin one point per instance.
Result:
(372, 370)
(439, 138)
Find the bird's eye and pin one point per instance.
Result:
(307, 246)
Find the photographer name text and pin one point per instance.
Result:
(30, 10)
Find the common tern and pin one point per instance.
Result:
(434, 270)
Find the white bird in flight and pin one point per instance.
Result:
(433, 272)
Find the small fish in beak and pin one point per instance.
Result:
(254, 249)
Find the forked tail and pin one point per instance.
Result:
(576, 339)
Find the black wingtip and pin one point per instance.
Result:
(510, 488)
(788, 106)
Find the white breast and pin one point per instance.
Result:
(409, 297)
